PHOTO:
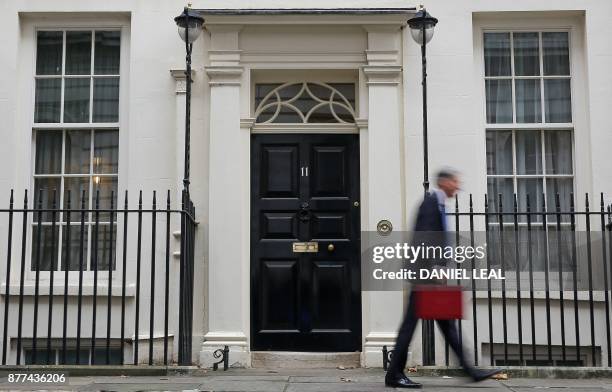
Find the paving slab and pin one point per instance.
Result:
(308, 380)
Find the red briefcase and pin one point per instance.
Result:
(439, 302)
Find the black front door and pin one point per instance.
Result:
(305, 194)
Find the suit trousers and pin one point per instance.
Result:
(404, 337)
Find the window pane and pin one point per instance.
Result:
(528, 152)
(106, 60)
(47, 245)
(564, 187)
(558, 99)
(106, 247)
(106, 100)
(76, 100)
(44, 189)
(499, 152)
(497, 54)
(499, 101)
(48, 152)
(71, 250)
(526, 54)
(47, 100)
(49, 53)
(503, 187)
(78, 148)
(106, 151)
(114, 357)
(556, 53)
(559, 152)
(346, 89)
(261, 90)
(71, 357)
(41, 357)
(78, 52)
(560, 246)
(76, 186)
(534, 188)
(528, 101)
(106, 186)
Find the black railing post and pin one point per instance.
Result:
(152, 283)
(590, 278)
(474, 314)
(111, 264)
(8, 279)
(24, 239)
(167, 279)
(66, 266)
(560, 260)
(186, 279)
(605, 275)
(82, 254)
(94, 261)
(138, 256)
(51, 275)
(124, 276)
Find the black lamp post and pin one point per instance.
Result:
(422, 29)
(189, 28)
(422, 26)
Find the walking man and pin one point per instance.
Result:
(431, 218)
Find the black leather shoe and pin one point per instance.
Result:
(402, 382)
(480, 375)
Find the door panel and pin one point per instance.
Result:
(304, 188)
(280, 281)
(279, 163)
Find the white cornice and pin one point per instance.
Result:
(224, 75)
(383, 74)
(180, 77)
(305, 128)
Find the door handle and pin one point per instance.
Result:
(331, 247)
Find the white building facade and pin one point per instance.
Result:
(92, 97)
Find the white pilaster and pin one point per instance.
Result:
(180, 78)
(382, 311)
(228, 269)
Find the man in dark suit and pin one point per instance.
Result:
(430, 228)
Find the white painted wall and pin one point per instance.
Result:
(151, 115)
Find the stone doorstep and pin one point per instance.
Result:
(194, 371)
(304, 360)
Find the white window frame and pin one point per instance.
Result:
(540, 127)
(571, 22)
(31, 24)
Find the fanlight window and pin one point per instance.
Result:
(310, 102)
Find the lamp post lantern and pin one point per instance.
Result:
(189, 25)
(422, 26)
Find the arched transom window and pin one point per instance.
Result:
(308, 102)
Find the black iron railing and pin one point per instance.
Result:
(556, 258)
(97, 272)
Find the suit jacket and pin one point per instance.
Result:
(430, 231)
(429, 217)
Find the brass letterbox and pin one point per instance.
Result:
(305, 247)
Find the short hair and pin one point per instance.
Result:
(446, 174)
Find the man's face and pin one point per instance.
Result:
(450, 186)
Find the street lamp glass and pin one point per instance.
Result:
(189, 24)
(416, 23)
